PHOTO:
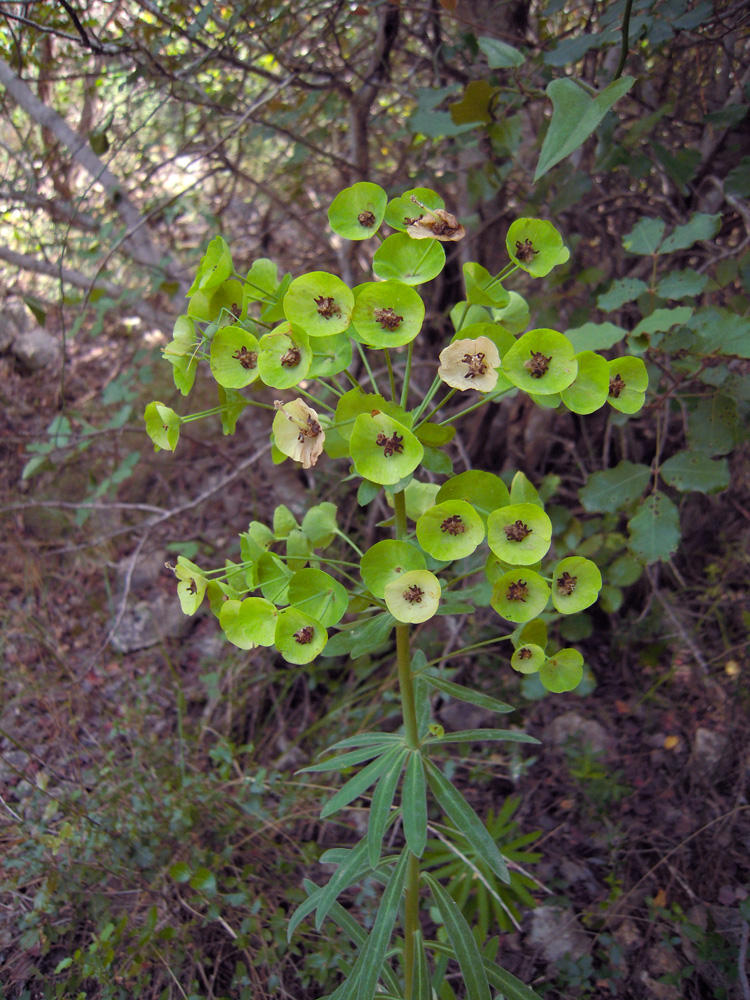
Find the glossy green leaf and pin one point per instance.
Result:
(386, 561)
(520, 534)
(402, 211)
(450, 530)
(575, 115)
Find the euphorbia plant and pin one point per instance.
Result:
(293, 588)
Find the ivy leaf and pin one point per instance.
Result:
(613, 489)
(655, 529)
(700, 227)
(575, 116)
(621, 291)
(693, 470)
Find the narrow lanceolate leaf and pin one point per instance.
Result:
(358, 784)
(472, 735)
(463, 817)
(414, 804)
(511, 987)
(348, 872)
(345, 760)
(343, 919)
(461, 693)
(374, 952)
(421, 985)
(365, 740)
(463, 941)
(380, 806)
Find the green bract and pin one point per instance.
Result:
(576, 584)
(331, 355)
(502, 339)
(284, 356)
(383, 450)
(515, 316)
(357, 211)
(414, 597)
(482, 289)
(484, 490)
(181, 351)
(401, 258)
(215, 267)
(419, 497)
(299, 638)
(541, 362)
(191, 585)
(519, 534)
(387, 313)
(234, 357)
(162, 425)
(355, 402)
(536, 246)
(387, 561)
(527, 659)
(562, 672)
(628, 381)
(249, 623)
(226, 304)
(588, 392)
(319, 595)
(450, 530)
(273, 578)
(402, 211)
(320, 303)
(520, 595)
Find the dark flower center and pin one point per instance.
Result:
(413, 594)
(291, 358)
(616, 385)
(366, 219)
(388, 318)
(453, 525)
(248, 359)
(476, 365)
(517, 591)
(537, 364)
(517, 532)
(525, 653)
(525, 251)
(390, 445)
(327, 307)
(304, 635)
(566, 584)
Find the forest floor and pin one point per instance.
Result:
(638, 790)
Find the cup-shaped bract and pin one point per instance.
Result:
(401, 258)
(354, 402)
(450, 530)
(162, 425)
(484, 490)
(519, 595)
(234, 357)
(383, 450)
(414, 597)
(562, 672)
(588, 391)
(357, 211)
(515, 316)
(628, 381)
(320, 303)
(576, 583)
(519, 534)
(249, 623)
(273, 578)
(225, 304)
(387, 561)
(299, 637)
(191, 585)
(387, 313)
(403, 211)
(318, 595)
(470, 364)
(528, 658)
(297, 432)
(502, 339)
(284, 356)
(536, 246)
(541, 362)
(482, 289)
(331, 355)
(419, 497)
(215, 266)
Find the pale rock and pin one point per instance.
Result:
(574, 728)
(557, 933)
(35, 349)
(708, 749)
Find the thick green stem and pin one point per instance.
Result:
(411, 731)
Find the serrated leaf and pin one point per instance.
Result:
(575, 115)
(468, 695)
(713, 425)
(613, 489)
(644, 237)
(462, 941)
(466, 820)
(595, 336)
(621, 291)
(694, 470)
(663, 319)
(681, 284)
(414, 804)
(655, 529)
(700, 227)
